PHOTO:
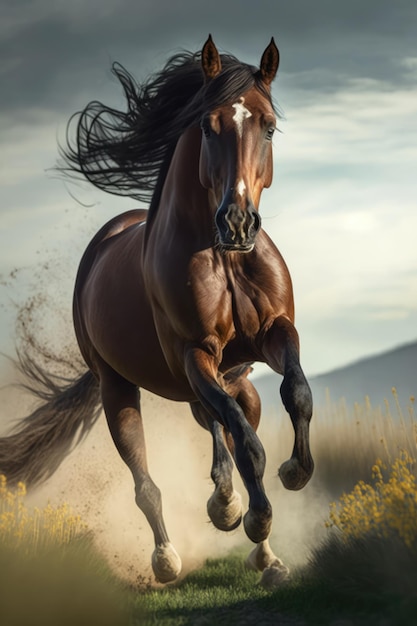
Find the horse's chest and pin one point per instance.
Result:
(246, 316)
(231, 306)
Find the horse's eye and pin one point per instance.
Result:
(270, 133)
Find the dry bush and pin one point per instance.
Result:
(347, 441)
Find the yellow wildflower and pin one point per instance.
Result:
(20, 526)
(383, 507)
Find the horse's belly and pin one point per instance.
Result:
(143, 363)
(130, 345)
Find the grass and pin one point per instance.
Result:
(364, 572)
(219, 592)
(223, 593)
(367, 576)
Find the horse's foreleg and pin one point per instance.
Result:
(262, 558)
(201, 369)
(224, 507)
(281, 352)
(121, 405)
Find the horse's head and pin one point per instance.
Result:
(236, 150)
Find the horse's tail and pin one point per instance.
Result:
(68, 410)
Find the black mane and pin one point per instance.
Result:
(128, 152)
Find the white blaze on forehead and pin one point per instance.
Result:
(241, 114)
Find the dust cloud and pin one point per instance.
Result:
(97, 485)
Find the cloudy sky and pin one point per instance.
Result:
(342, 208)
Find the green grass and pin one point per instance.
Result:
(224, 593)
(220, 592)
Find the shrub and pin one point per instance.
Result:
(386, 507)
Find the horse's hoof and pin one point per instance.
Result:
(274, 577)
(166, 563)
(226, 514)
(262, 557)
(258, 525)
(293, 475)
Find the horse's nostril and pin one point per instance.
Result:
(237, 227)
(256, 218)
(220, 220)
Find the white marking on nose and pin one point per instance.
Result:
(241, 187)
(241, 114)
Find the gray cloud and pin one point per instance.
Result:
(52, 51)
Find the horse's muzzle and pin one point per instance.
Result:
(237, 228)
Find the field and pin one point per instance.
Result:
(350, 539)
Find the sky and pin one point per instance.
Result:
(342, 208)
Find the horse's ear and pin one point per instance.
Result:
(210, 60)
(269, 63)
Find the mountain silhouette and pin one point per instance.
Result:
(373, 376)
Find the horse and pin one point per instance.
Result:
(183, 298)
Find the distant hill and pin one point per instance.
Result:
(373, 376)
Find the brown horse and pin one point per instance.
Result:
(182, 300)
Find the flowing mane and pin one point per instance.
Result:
(128, 152)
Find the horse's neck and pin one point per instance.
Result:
(183, 192)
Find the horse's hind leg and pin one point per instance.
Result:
(225, 504)
(121, 405)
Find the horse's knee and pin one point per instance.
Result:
(297, 399)
(296, 395)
